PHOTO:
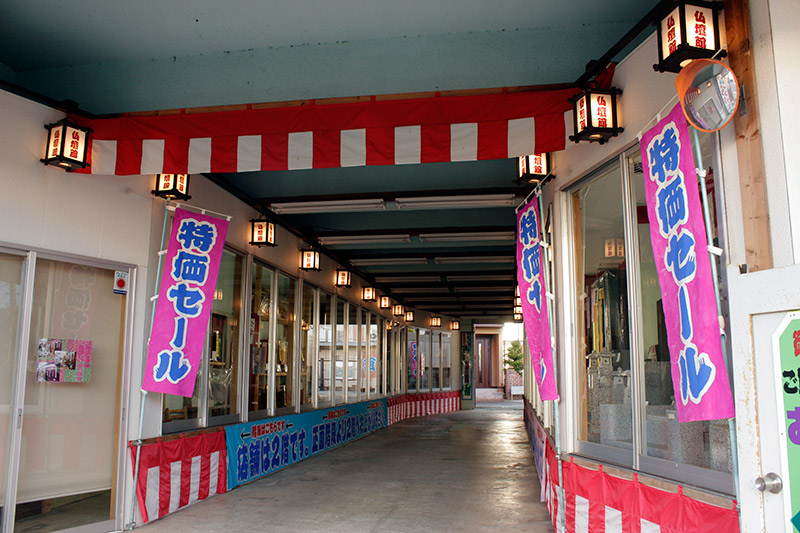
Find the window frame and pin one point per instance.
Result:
(636, 458)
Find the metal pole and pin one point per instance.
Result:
(701, 175)
(561, 516)
(138, 441)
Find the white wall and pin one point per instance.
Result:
(82, 216)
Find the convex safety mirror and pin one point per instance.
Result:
(709, 94)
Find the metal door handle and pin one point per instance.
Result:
(771, 482)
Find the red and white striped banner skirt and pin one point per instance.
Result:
(180, 472)
(376, 132)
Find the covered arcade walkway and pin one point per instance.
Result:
(461, 471)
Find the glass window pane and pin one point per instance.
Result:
(260, 309)
(353, 353)
(446, 340)
(340, 351)
(223, 342)
(325, 360)
(11, 267)
(424, 355)
(411, 359)
(377, 333)
(435, 359)
(284, 337)
(603, 309)
(307, 326)
(373, 357)
(705, 444)
(390, 356)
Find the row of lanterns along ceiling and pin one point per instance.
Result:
(686, 31)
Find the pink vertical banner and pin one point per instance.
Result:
(185, 296)
(530, 278)
(680, 248)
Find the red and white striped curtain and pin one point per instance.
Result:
(374, 132)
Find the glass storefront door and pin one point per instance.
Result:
(62, 461)
(11, 293)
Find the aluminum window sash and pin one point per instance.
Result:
(18, 395)
(315, 319)
(245, 313)
(606, 454)
(298, 319)
(273, 334)
(635, 318)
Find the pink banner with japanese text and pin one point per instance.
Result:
(183, 307)
(680, 248)
(533, 291)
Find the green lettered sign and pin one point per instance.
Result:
(786, 341)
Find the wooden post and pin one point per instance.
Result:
(749, 147)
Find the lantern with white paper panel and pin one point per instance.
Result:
(343, 277)
(409, 316)
(397, 310)
(517, 317)
(67, 145)
(595, 115)
(436, 321)
(172, 186)
(368, 294)
(455, 325)
(385, 302)
(309, 260)
(690, 30)
(262, 233)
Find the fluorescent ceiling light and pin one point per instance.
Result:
(364, 239)
(444, 202)
(496, 277)
(415, 289)
(410, 279)
(474, 259)
(325, 206)
(428, 298)
(390, 261)
(469, 236)
(503, 290)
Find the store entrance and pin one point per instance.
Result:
(485, 358)
(62, 461)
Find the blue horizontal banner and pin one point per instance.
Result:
(258, 448)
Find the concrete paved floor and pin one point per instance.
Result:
(463, 471)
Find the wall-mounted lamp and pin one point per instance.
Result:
(517, 301)
(385, 302)
(67, 144)
(595, 115)
(534, 167)
(409, 316)
(262, 233)
(309, 260)
(517, 309)
(690, 31)
(172, 186)
(397, 310)
(455, 325)
(517, 317)
(342, 277)
(436, 321)
(369, 294)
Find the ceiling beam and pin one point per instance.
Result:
(390, 196)
(415, 232)
(445, 273)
